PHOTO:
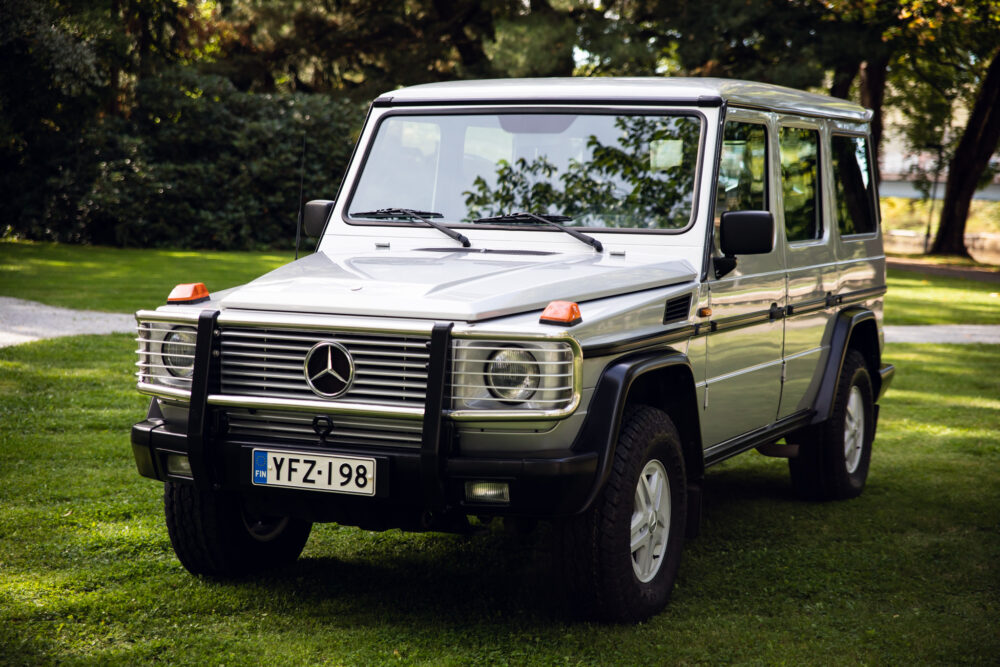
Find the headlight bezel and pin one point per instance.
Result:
(154, 375)
(559, 362)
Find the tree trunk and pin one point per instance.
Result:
(843, 79)
(978, 143)
(873, 76)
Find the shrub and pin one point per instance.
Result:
(200, 164)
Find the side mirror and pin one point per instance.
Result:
(743, 233)
(315, 215)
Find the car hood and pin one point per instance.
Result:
(461, 286)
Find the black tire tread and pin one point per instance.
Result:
(596, 587)
(208, 535)
(817, 472)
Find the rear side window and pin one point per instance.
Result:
(852, 179)
(743, 169)
(800, 184)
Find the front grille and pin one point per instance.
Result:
(347, 431)
(389, 369)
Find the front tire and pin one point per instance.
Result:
(214, 535)
(619, 559)
(833, 460)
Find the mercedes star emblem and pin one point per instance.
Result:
(329, 369)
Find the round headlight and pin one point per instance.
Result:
(512, 375)
(178, 351)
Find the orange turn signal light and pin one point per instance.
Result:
(563, 313)
(188, 293)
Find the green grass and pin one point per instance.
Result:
(907, 573)
(120, 280)
(918, 298)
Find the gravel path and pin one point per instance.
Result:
(24, 321)
(944, 333)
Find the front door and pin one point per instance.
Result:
(743, 378)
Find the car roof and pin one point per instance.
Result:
(630, 90)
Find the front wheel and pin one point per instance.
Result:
(620, 558)
(833, 459)
(214, 534)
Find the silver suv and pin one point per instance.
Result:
(555, 299)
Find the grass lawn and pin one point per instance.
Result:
(917, 298)
(908, 573)
(120, 280)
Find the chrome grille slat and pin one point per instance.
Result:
(257, 374)
(403, 374)
(346, 431)
(390, 369)
(267, 364)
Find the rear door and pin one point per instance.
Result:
(804, 217)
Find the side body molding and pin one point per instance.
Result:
(604, 416)
(856, 328)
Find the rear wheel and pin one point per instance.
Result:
(620, 558)
(834, 456)
(215, 535)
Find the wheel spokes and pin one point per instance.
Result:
(650, 524)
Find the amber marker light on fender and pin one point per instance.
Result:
(188, 293)
(561, 313)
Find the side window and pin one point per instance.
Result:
(852, 180)
(743, 169)
(800, 183)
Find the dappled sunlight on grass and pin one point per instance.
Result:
(906, 573)
(121, 280)
(915, 298)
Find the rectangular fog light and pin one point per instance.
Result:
(178, 464)
(488, 492)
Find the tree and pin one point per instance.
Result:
(979, 142)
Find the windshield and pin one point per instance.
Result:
(600, 170)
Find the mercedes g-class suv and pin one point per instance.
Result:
(557, 299)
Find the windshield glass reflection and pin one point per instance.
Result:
(603, 171)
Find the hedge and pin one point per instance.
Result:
(198, 164)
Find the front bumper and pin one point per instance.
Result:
(411, 493)
(419, 487)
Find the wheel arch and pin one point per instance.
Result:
(854, 328)
(662, 380)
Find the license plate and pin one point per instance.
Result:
(318, 472)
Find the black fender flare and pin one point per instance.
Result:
(857, 327)
(599, 433)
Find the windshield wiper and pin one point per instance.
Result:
(548, 221)
(422, 216)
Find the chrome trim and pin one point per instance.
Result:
(150, 363)
(525, 415)
(174, 318)
(269, 362)
(320, 407)
(161, 391)
(323, 322)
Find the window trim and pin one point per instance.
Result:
(872, 175)
(817, 126)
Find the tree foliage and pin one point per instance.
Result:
(81, 81)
